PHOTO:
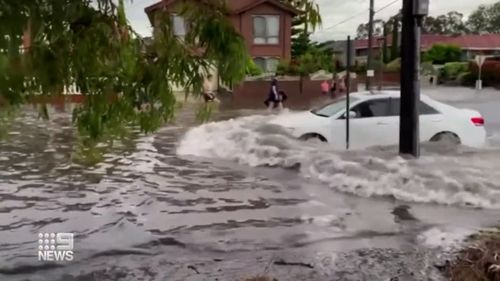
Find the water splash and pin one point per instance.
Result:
(443, 175)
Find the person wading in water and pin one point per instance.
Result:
(208, 94)
(275, 98)
(333, 87)
(210, 101)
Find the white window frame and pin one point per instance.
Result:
(182, 20)
(267, 61)
(267, 38)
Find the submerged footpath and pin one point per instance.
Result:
(478, 260)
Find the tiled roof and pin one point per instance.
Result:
(469, 42)
(239, 6)
(158, 5)
(235, 6)
(486, 41)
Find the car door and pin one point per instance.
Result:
(374, 124)
(431, 120)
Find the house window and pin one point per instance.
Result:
(272, 64)
(266, 29)
(261, 63)
(267, 64)
(179, 25)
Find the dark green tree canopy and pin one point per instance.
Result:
(378, 29)
(485, 19)
(443, 53)
(450, 24)
(90, 44)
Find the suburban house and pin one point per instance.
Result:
(339, 49)
(471, 45)
(266, 26)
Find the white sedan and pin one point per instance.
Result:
(374, 121)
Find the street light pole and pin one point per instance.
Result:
(409, 139)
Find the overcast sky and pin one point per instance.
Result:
(332, 11)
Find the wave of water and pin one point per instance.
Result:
(443, 175)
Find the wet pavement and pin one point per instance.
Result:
(236, 198)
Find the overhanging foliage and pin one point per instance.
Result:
(91, 45)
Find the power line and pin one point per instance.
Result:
(360, 14)
(387, 6)
(348, 19)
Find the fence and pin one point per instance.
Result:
(252, 94)
(390, 79)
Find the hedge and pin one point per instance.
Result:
(490, 73)
(452, 70)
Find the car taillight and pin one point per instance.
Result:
(478, 121)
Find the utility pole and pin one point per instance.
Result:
(348, 92)
(381, 68)
(413, 13)
(370, 46)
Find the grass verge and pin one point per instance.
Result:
(479, 260)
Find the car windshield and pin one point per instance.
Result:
(332, 108)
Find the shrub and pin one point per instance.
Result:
(394, 66)
(452, 70)
(282, 67)
(286, 67)
(427, 68)
(253, 69)
(443, 53)
(376, 65)
(308, 64)
(466, 79)
(359, 68)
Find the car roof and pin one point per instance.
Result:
(369, 95)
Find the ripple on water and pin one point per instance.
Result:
(145, 213)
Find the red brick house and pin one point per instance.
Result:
(266, 26)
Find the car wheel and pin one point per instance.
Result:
(313, 138)
(446, 137)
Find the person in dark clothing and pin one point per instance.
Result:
(275, 97)
(333, 88)
(283, 96)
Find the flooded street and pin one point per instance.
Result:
(237, 198)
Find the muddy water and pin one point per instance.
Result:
(233, 199)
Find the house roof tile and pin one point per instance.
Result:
(468, 42)
(234, 6)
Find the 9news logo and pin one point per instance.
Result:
(55, 246)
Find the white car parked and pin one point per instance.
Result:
(374, 121)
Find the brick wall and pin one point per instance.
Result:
(390, 79)
(252, 94)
